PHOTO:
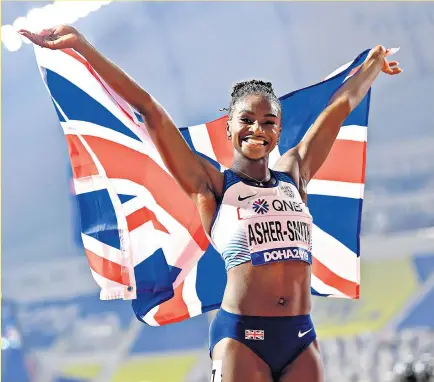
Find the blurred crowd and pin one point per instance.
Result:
(421, 370)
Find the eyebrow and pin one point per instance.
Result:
(251, 112)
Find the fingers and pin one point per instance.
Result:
(25, 33)
(41, 39)
(392, 71)
(396, 71)
(28, 34)
(33, 37)
(392, 67)
(393, 63)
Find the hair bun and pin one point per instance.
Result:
(243, 88)
(257, 85)
(237, 87)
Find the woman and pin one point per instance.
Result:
(253, 215)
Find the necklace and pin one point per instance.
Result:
(259, 182)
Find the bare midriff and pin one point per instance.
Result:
(278, 289)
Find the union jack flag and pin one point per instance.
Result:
(142, 235)
(254, 334)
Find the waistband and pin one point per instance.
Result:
(232, 317)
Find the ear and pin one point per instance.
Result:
(228, 130)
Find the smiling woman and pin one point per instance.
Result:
(256, 217)
(254, 121)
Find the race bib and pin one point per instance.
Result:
(277, 230)
(216, 371)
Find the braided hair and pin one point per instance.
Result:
(244, 88)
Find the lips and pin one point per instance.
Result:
(255, 141)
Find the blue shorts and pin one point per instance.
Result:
(277, 340)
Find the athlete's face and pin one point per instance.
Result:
(255, 126)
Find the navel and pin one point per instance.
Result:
(281, 301)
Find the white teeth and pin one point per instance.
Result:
(257, 141)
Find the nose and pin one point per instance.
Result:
(256, 127)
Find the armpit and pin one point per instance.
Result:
(302, 186)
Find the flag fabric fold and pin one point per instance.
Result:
(142, 235)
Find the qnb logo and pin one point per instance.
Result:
(261, 206)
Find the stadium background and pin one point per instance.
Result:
(55, 329)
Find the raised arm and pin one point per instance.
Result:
(192, 173)
(307, 158)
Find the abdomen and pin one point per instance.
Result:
(256, 291)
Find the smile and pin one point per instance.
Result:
(255, 141)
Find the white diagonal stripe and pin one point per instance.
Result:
(101, 249)
(323, 288)
(76, 73)
(353, 133)
(89, 184)
(339, 70)
(201, 141)
(189, 293)
(335, 188)
(149, 317)
(334, 255)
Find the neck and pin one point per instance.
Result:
(257, 169)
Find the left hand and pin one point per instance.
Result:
(391, 67)
(379, 54)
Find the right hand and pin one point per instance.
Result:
(60, 37)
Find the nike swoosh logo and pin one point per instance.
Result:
(247, 197)
(302, 334)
